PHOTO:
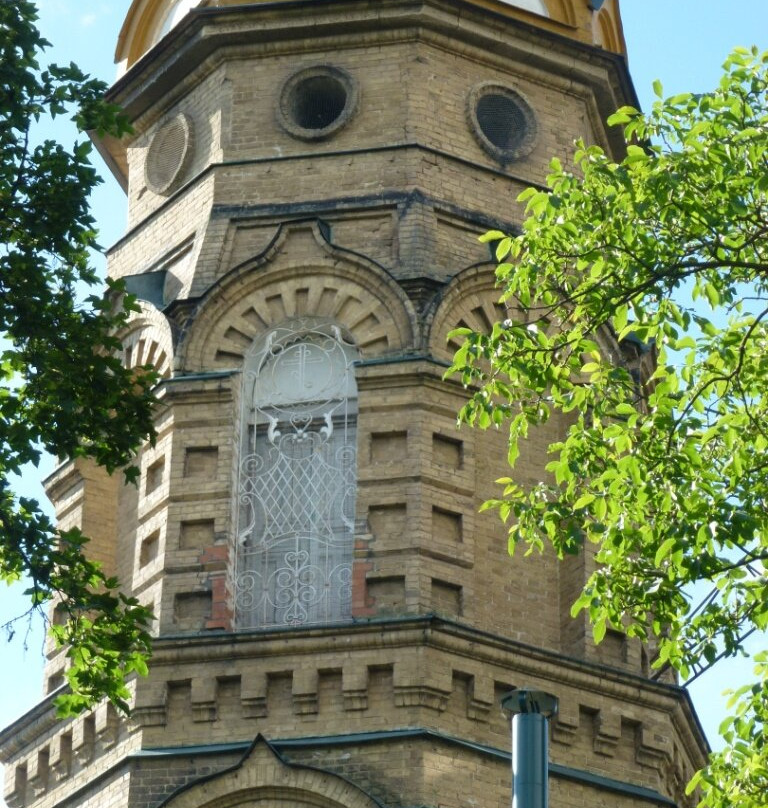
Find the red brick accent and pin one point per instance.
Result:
(362, 604)
(221, 612)
(215, 557)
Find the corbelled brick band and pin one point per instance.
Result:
(319, 172)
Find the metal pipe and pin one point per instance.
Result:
(530, 710)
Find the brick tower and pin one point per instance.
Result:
(336, 622)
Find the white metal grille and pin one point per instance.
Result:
(297, 478)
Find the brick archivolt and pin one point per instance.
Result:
(472, 301)
(147, 340)
(299, 275)
(262, 778)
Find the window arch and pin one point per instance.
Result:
(175, 14)
(297, 475)
(536, 6)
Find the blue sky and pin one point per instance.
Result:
(681, 42)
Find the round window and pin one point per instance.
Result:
(316, 102)
(168, 156)
(502, 121)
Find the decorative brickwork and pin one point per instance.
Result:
(367, 230)
(147, 341)
(299, 275)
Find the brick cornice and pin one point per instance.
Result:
(210, 35)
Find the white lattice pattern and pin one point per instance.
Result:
(297, 478)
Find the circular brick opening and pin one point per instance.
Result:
(502, 121)
(315, 103)
(168, 155)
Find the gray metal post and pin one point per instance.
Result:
(530, 711)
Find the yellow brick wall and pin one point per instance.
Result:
(374, 229)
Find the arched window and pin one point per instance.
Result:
(536, 6)
(297, 477)
(175, 14)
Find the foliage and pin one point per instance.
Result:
(664, 253)
(62, 387)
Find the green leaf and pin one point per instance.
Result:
(599, 629)
(492, 235)
(583, 501)
(664, 550)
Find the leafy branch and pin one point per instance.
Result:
(63, 388)
(637, 300)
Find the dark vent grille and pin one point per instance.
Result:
(318, 101)
(501, 120)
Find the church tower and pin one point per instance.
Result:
(336, 621)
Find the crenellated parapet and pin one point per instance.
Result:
(425, 673)
(52, 759)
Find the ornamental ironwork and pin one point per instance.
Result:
(297, 478)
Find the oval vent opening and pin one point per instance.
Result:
(169, 153)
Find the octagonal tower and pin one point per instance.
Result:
(336, 622)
